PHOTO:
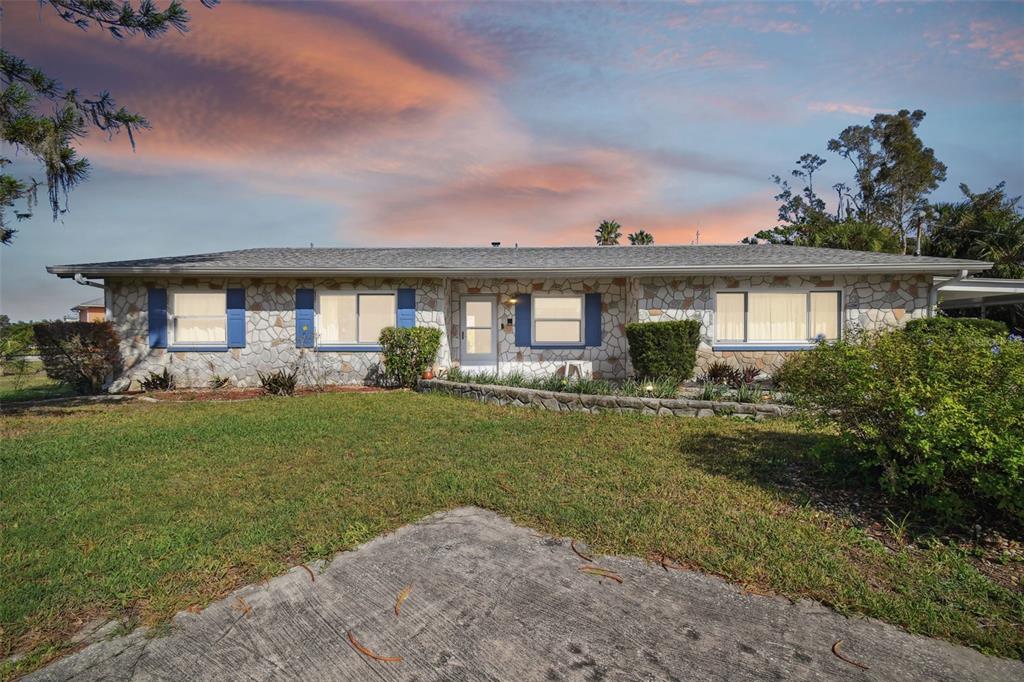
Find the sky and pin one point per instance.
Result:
(386, 123)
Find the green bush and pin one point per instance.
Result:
(942, 325)
(408, 352)
(83, 355)
(938, 417)
(664, 349)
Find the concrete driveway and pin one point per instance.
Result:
(494, 601)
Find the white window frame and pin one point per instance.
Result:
(491, 357)
(774, 290)
(172, 328)
(318, 326)
(559, 344)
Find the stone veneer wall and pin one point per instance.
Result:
(609, 360)
(270, 331)
(575, 402)
(869, 302)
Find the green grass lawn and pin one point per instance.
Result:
(32, 384)
(140, 510)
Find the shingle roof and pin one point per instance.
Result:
(92, 303)
(524, 260)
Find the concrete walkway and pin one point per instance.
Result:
(493, 601)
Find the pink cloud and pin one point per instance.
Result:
(847, 108)
(1003, 44)
(265, 82)
(787, 27)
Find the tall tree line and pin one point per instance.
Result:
(885, 206)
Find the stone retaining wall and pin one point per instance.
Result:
(575, 402)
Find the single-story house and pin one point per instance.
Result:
(94, 310)
(502, 309)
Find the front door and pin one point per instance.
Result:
(479, 332)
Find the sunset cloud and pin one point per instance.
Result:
(846, 108)
(1003, 44)
(370, 123)
(331, 81)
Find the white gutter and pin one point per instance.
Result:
(933, 293)
(528, 272)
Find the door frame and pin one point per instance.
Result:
(476, 359)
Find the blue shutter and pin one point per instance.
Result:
(304, 301)
(592, 319)
(236, 318)
(523, 324)
(157, 318)
(406, 308)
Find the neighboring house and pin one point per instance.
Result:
(530, 310)
(91, 311)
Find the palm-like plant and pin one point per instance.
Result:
(641, 238)
(608, 233)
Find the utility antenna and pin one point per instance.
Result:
(697, 240)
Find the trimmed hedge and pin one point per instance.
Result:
(664, 349)
(408, 351)
(942, 324)
(83, 355)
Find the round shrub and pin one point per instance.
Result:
(937, 413)
(665, 350)
(83, 355)
(408, 351)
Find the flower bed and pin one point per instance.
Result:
(556, 401)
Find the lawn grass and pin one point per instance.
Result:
(140, 510)
(31, 384)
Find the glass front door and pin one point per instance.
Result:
(479, 333)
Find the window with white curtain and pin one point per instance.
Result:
(353, 317)
(776, 316)
(558, 319)
(199, 318)
(731, 315)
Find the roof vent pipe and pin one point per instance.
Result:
(495, 244)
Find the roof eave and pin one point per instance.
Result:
(950, 268)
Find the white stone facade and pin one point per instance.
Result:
(869, 302)
(269, 332)
(608, 360)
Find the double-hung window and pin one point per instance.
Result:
(353, 318)
(776, 316)
(199, 318)
(558, 320)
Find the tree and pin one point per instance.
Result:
(984, 226)
(893, 171)
(641, 238)
(805, 221)
(608, 233)
(51, 138)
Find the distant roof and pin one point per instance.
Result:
(92, 303)
(456, 261)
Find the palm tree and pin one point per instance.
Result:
(641, 238)
(608, 233)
